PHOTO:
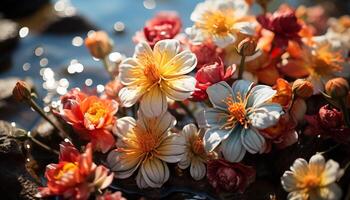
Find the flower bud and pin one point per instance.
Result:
(303, 88)
(99, 44)
(337, 88)
(21, 91)
(247, 47)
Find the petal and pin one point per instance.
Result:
(153, 102)
(224, 41)
(140, 181)
(102, 140)
(179, 88)
(183, 63)
(129, 96)
(129, 70)
(331, 172)
(259, 95)
(189, 131)
(265, 116)
(197, 169)
(155, 172)
(300, 168)
(215, 118)
(317, 164)
(143, 53)
(160, 124)
(289, 182)
(172, 149)
(331, 192)
(185, 162)
(218, 93)
(123, 164)
(252, 141)
(232, 148)
(165, 50)
(123, 125)
(241, 88)
(213, 137)
(247, 28)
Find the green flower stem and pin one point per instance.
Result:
(241, 67)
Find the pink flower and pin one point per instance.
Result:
(229, 177)
(206, 53)
(283, 23)
(209, 75)
(111, 196)
(71, 177)
(328, 123)
(165, 25)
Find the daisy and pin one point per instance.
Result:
(195, 155)
(313, 180)
(238, 115)
(220, 21)
(154, 75)
(146, 145)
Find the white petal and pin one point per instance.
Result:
(183, 63)
(172, 149)
(123, 125)
(155, 172)
(143, 52)
(317, 164)
(213, 137)
(122, 164)
(189, 131)
(259, 95)
(218, 93)
(196, 35)
(197, 169)
(232, 148)
(185, 162)
(241, 88)
(126, 69)
(215, 118)
(247, 28)
(140, 181)
(160, 124)
(224, 41)
(241, 8)
(165, 50)
(331, 192)
(331, 172)
(179, 88)
(129, 96)
(289, 182)
(252, 141)
(265, 116)
(153, 102)
(300, 167)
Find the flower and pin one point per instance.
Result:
(206, 52)
(313, 180)
(238, 115)
(165, 25)
(229, 177)
(152, 76)
(195, 155)
(209, 75)
(283, 23)
(220, 21)
(337, 87)
(146, 144)
(92, 117)
(21, 91)
(328, 123)
(303, 88)
(284, 93)
(111, 196)
(72, 177)
(112, 89)
(99, 44)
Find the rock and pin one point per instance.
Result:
(70, 24)
(20, 8)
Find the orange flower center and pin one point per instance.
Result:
(147, 142)
(197, 146)
(326, 62)
(152, 73)
(217, 23)
(237, 110)
(310, 181)
(95, 112)
(67, 168)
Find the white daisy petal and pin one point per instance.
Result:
(259, 95)
(172, 149)
(140, 181)
(123, 125)
(252, 141)
(232, 148)
(218, 93)
(330, 192)
(153, 102)
(317, 164)
(185, 162)
(215, 118)
(181, 64)
(265, 116)
(197, 169)
(189, 130)
(224, 41)
(165, 50)
(331, 172)
(213, 137)
(129, 96)
(155, 172)
(126, 68)
(289, 182)
(247, 28)
(179, 88)
(241, 87)
(300, 167)
(143, 52)
(124, 165)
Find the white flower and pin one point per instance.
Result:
(314, 180)
(220, 21)
(238, 115)
(146, 144)
(195, 155)
(154, 75)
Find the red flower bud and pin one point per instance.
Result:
(330, 117)
(21, 91)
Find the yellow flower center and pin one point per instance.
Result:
(197, 146)
(325, 62)
(152, 73)
(237, 111)
(218, 23)
(310, 181)
(68, 167)
(95, 112)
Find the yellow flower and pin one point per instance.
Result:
(146, 144)
(154, 75)
(314, 180)
(195, 155)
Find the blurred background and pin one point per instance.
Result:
(42, 41)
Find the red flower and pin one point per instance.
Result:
(283, 23)
(229, 177)
(92, 117)
(111, 196)
(165, 25)
(206, 53)
(209, 75)
(328, 123)
(71, 177)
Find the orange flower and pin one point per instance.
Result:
(284, 93)
(93, 117)
(71, 177)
